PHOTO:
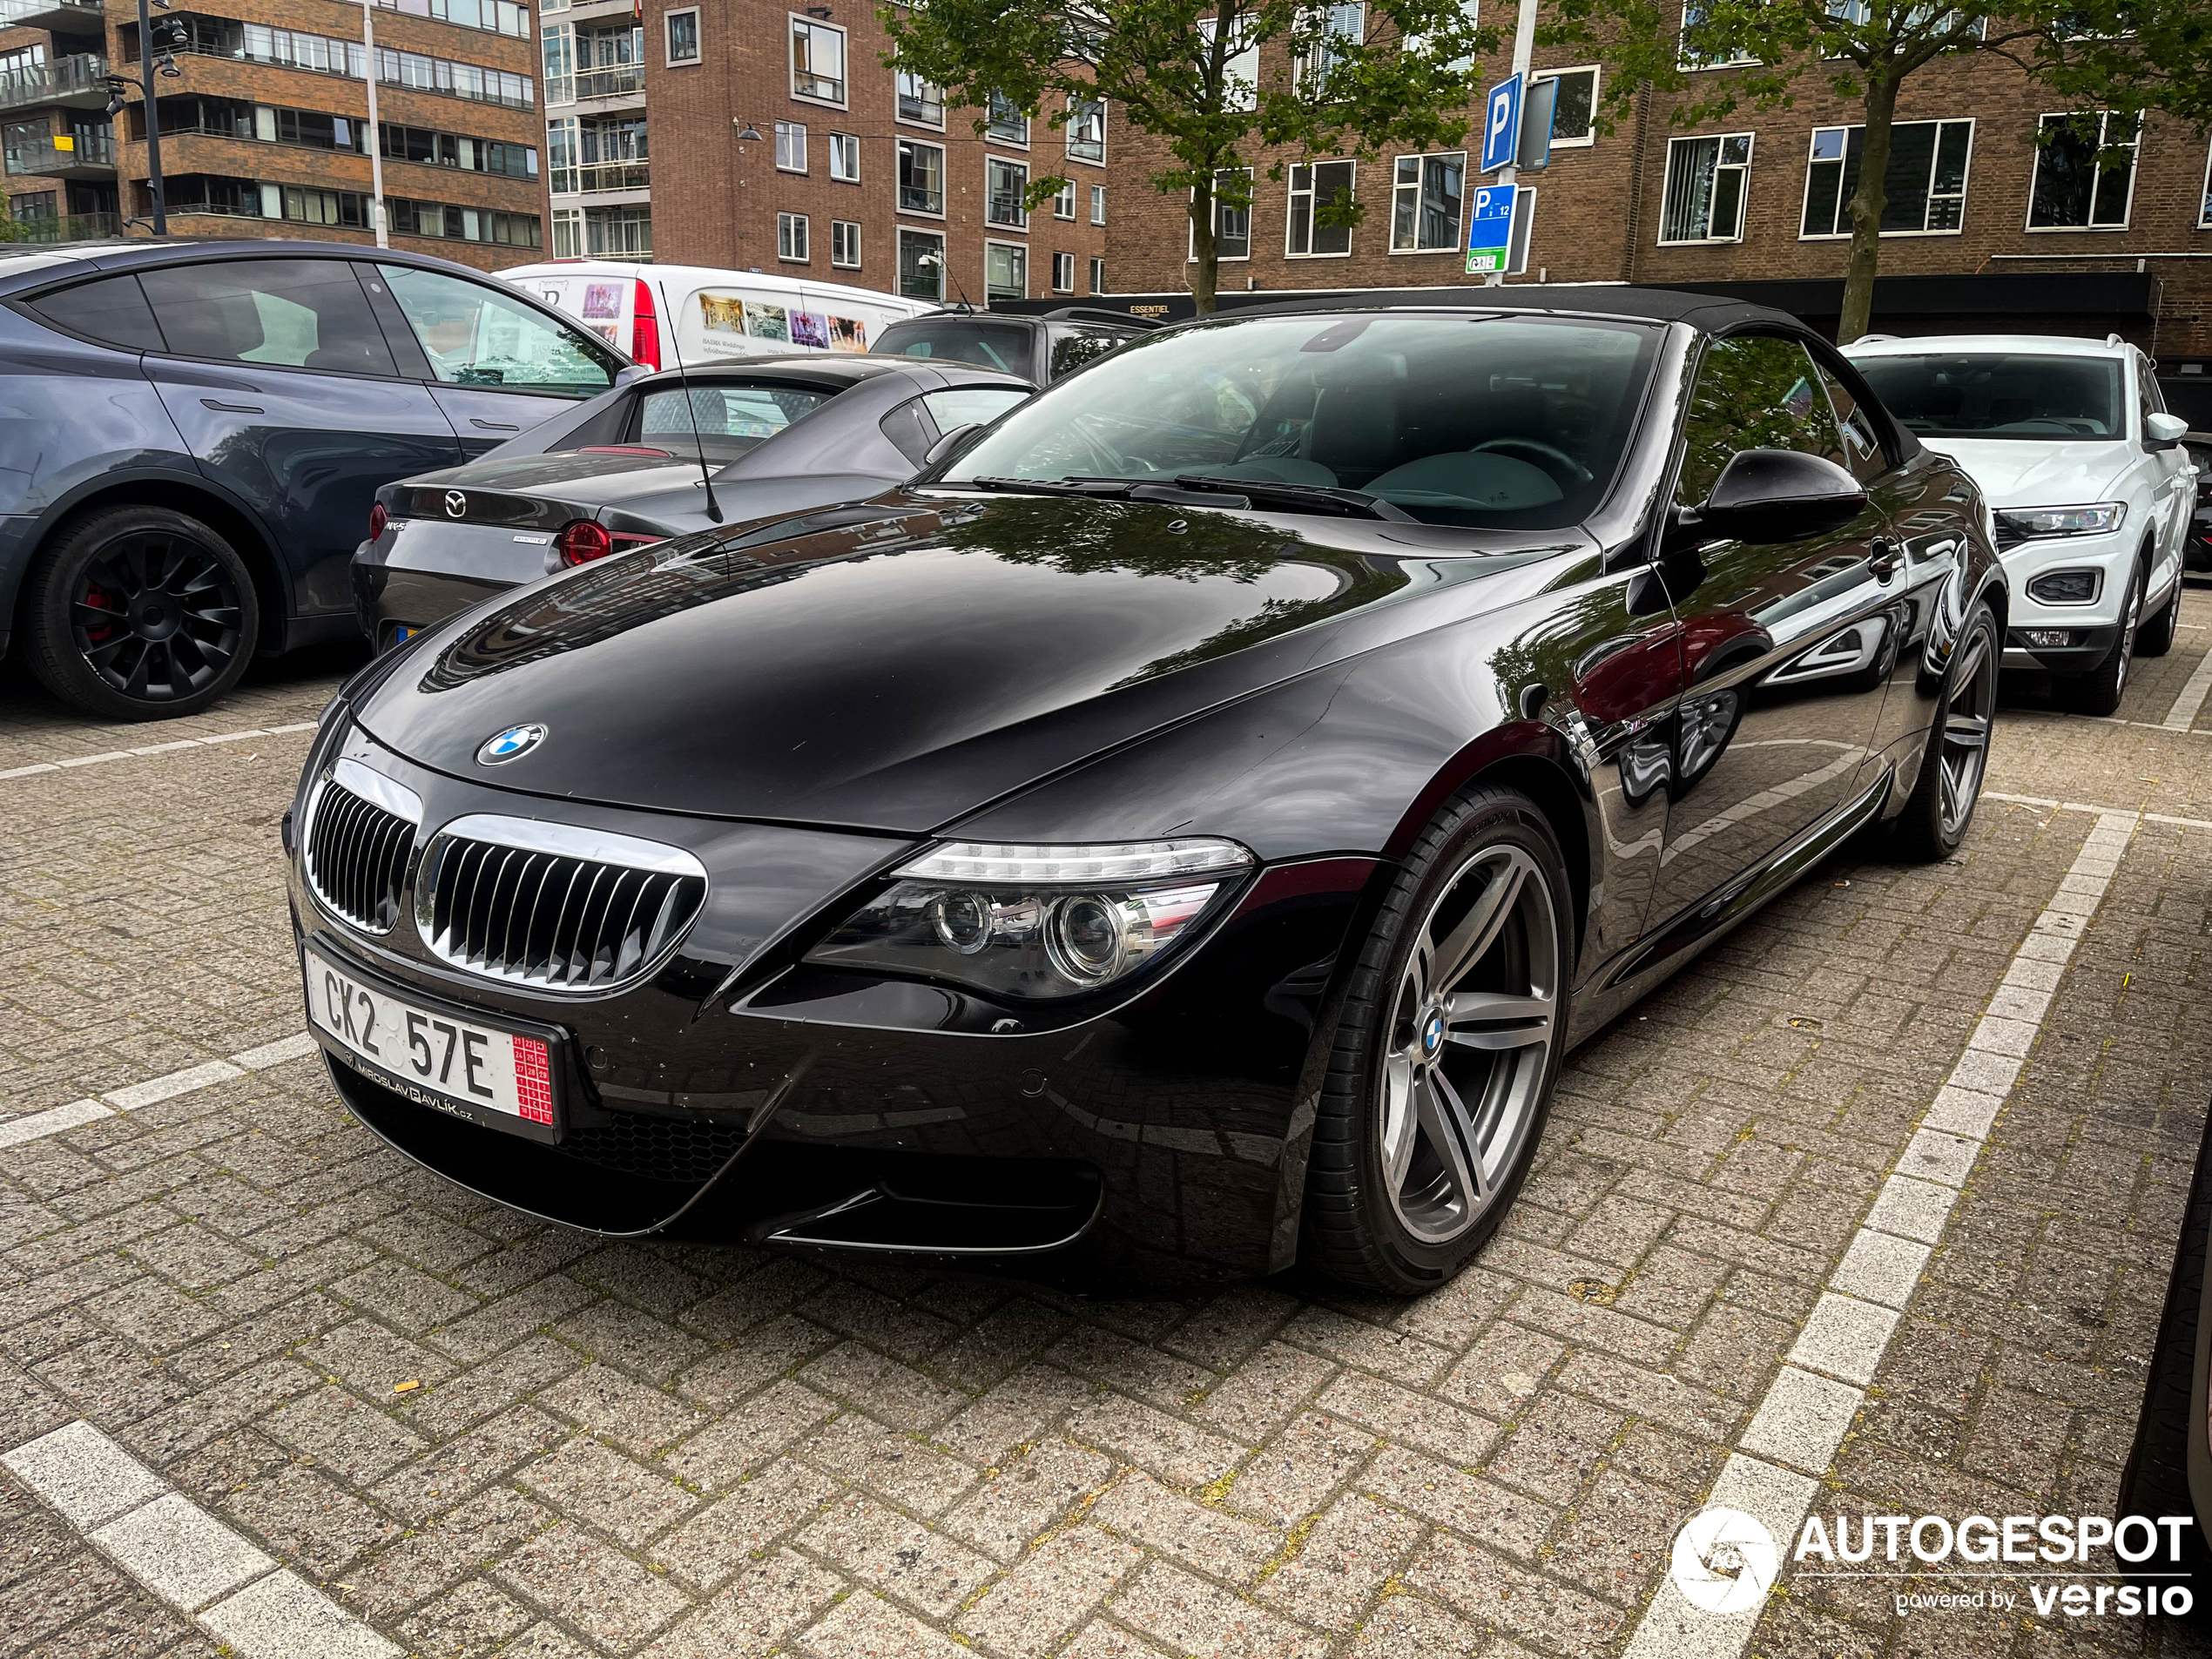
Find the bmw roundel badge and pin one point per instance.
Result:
(506, 746)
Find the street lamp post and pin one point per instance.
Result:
(375, 130)
(153, 120)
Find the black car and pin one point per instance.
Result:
(776, 436)
(1040, 349)
(1197, 819)
(2196, 546)
(200, 429)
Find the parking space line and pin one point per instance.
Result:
(1789, 1446)
(2050, 804)
(2182, 716)
(182, 1556)
(36, 1126)
(170, 747)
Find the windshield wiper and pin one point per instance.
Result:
(1355, 503)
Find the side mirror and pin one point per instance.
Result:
(951, 444)
(2163, 431)
(1774, 496)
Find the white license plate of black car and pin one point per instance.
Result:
(434, 1055)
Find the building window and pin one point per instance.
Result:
(1693, 14)
(845, 158)
(2085, 171)
(1574, 117)
(1006, 183)
(791, 147)
(1232, 226)
(1098, 276)
(922, 264)
(1925, 185)
(1314, 188)
(682, 36)
(844, 244)
(608, 62)
(1425, 202)
(2204, 214)
(1008, 124)
(559, 46)
(596, 233)
(1063, 205)
(1063, 274)
(1239, 66)
(1087, 130)
(817, 61)
(1098, 204)
(1328, 31)
(1706, 182)
(1006, 270)
(919, 101)
(791, 236)
(560, 156)
(921, 177)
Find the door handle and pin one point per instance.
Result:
(492, 426)
(1886, 555)
(230, 408)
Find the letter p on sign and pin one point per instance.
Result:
(1500, 122)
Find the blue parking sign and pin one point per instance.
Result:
(1489, 228)
(1501, 124)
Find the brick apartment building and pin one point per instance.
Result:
(859, 174)
(265, 124)
(1987, 230)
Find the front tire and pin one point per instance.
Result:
(1444, 1058)
(140, 613)
(2099, 691)
(1936, 818)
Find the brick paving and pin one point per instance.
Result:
(479, 1436)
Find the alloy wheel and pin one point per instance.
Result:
(1968, 714)
(1470, 1041)
(2128, 635)
(156, 616)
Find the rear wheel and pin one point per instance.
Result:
(140, 613)
(2099, 691)
(1446, 1051)
(1935, 819)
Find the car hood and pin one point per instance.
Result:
(2037, 474)
(898, 663)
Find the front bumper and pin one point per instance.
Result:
(729, 1094)
(2093, 628)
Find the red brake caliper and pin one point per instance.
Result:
(98, 598)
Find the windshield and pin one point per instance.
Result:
(732, 417)
(1498, 421)
(1002, 346)
(2000, 395)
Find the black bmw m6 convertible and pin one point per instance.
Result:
(1193, 821)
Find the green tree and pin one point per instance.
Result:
(1353, 79)
(2122, 56)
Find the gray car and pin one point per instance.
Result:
(774, 435)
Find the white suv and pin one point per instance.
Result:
(2086, 478)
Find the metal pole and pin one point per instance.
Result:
(153, 122)
(1524, 50)
(375, 130)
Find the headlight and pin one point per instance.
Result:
(2031, 522)
(1037, 922)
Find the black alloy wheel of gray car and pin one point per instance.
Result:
(140, 613)
(1448, 1045)
(1941, 808)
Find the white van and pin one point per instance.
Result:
(717, 314)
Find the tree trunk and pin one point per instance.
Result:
(1867, 203)
(1205, 269)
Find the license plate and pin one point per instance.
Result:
(458, 1064)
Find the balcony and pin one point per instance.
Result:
(79, 82)
(612, 80)
(70, 228)
(594, 176)
(82, 155)
(71, 16)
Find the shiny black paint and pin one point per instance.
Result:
(805, 703)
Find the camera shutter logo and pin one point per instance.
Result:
(1724, 1561)
(457, 504)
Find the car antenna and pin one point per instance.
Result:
(698, 443)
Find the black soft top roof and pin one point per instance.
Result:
(1701, 311)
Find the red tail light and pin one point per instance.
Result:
(644, 328)
(582, 540)
(378, 518)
